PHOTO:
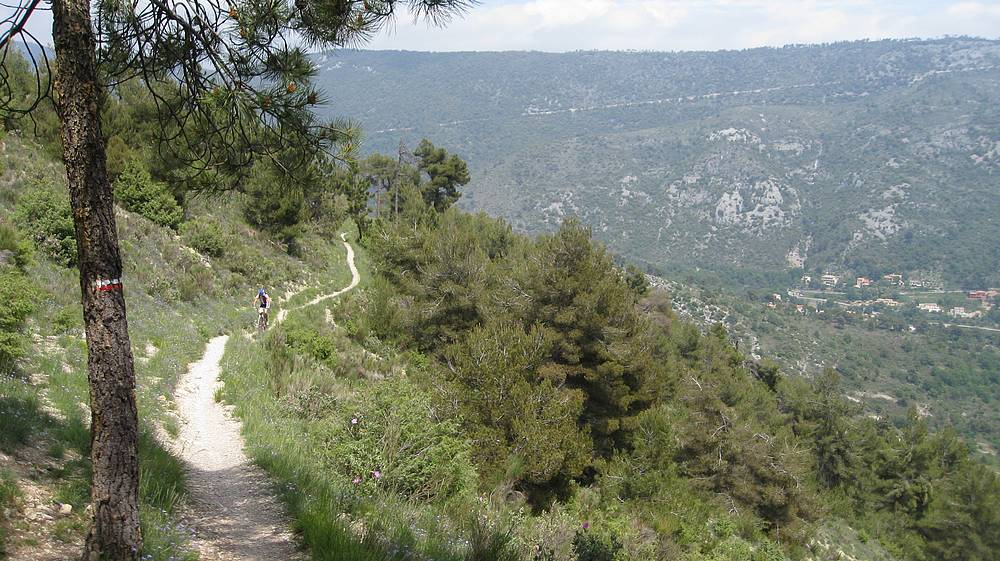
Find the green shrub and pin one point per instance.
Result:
(723, 528)
(119, 155)
(14, 249)
(590, 547)
(9, 492)
(45, 212)
(308, 340)
(531, 436)
(10, 496)
(768, 551)
(20, 412)
(19, 297)
(136, 191)
(274, 203)
(732, 549)
(195, 283)
(390, 439)
(67, 318)
(205, 236)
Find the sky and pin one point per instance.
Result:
(674, 25)
(566, 25)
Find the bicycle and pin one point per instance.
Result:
(262, 319)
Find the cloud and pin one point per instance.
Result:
(561, 25)
(974, 9)
(566, 25)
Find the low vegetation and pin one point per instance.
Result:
(574, 416)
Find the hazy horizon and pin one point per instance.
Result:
(674, 51)
(556, 26)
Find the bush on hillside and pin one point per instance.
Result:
(10, 497)
(14, 250)
(136, 191)
(591, 547)
(119, 155)
(329, 211)
(272, 204)
(305, 338)
(391, 439)
(531, 435)
(19, 297)
(44, 211)
(205, 236)
(68, 317)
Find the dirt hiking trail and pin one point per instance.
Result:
(232, 508)
(355, 279)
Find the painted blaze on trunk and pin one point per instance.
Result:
(114, 420)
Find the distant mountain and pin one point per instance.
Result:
(32, 50)
(870, 157)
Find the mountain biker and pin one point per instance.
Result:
(263, 302)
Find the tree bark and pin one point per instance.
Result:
(114, 420)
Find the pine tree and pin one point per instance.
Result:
(446, 173)
(521, 414)
(576, 292)
(963, 516)
(230, 88)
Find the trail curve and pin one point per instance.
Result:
(355, 279)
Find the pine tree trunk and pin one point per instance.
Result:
(114, 420)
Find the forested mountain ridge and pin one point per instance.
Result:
(872, 157)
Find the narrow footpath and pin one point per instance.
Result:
(233, 511)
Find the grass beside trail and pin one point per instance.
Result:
(337, 519)
(289, 400)
(10, 497)
(165, 339)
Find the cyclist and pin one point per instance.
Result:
(263, 303)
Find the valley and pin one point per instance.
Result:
(744, 163)
(735, 176)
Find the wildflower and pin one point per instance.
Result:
(586, 525)
(377, 474)
(356, 480)
(354, 421)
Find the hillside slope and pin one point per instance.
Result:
(177, 299)
(481, 396)
(870, 156)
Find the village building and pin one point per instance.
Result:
(930, 307)
(984, 296)
(862, 282)
(830, 279)
(893, 278)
